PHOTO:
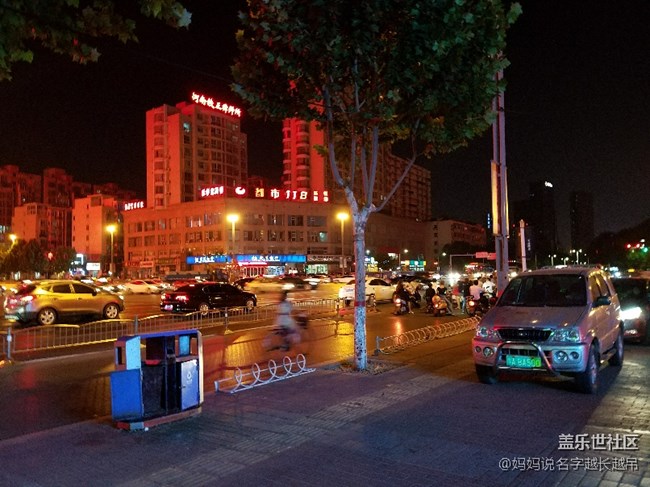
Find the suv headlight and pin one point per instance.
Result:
(570, 334)
(487, 332)
(631, 313)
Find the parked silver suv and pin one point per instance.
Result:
(555, 321)
(47, 302)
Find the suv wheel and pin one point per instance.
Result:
(46, 316)
(587, 381)
(617, 358)
(111, 311)
(486, 374)
(250, 305)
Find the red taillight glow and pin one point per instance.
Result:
(182, 297)
(28, 299)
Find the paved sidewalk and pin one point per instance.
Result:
(412, 424)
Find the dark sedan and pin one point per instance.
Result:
(204, 296)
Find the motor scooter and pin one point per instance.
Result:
(401, 305)
(438, 306)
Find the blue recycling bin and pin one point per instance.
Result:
(158, 378)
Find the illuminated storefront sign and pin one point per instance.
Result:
(207, 259)
(247, 259)
(215, 105)
(314, 196)
(133, 205)
(255, 259)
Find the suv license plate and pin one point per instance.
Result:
(169, 307)
(523, 361)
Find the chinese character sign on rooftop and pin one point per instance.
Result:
(216, 105)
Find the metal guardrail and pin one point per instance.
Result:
(258, 377)
(41, 338)
(396, 343)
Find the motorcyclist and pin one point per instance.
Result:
(403, 292)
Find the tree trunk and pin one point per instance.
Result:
(360, 219)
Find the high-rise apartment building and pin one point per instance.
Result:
(305, 168)
(16, 188)
(541, 217)
(582, 219)
(192, 146)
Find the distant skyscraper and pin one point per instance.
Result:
(193, 146)
(305, 168)
(582, 219)
(541, 217)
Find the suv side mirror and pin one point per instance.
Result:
(602, 301)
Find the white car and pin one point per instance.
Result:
(139, 286)
(380, 289)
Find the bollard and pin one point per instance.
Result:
(225, 320)
(376, 352)
(9, 340)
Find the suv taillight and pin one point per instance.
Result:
(182, 297)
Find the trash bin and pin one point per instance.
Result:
(158, 378)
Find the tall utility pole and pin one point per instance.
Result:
(500, 189)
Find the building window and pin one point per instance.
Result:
(316, 221)
(213, 235)
(253, 235)
(295, 236)
(317, 236)
(296, 220)
(275, 220)
(275, 236)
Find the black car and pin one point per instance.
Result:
(204, 296)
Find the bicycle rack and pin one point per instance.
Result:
(259, 377)
(395, 343)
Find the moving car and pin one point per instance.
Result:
(278, 284)
(376, 287)
(552, 321)
(204, 296)
(634, 295)
(48, 302)
(139, 286)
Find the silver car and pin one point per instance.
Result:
(48, 302)
(554, 321)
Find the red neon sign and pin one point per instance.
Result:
(216, 105)
(273, 194)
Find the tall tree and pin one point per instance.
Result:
(373, 72)
(69, 27)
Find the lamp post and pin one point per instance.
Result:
(13, 238)
(342, 216)
(232, 218)
(111, 229)
(553, 256)
(577, 252)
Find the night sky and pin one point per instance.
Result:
(577, 109)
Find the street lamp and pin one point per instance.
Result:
(552, 256)
(342, 216)
(577, 252)
(111, 229)
(13, 238)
